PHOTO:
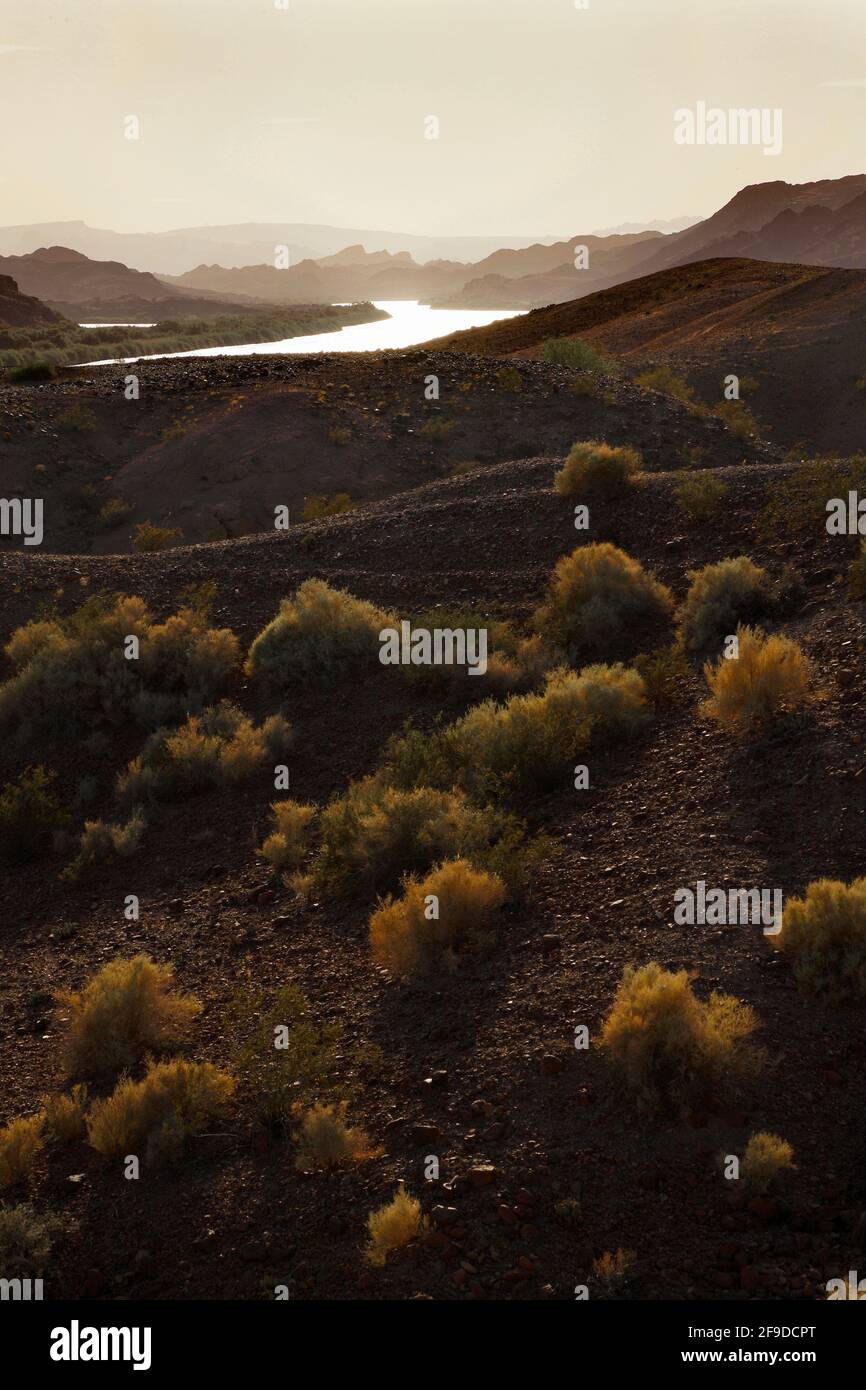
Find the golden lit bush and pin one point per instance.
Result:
(285, 847)
(100, 842)
(769, 677)
(376, 833)
(73, 672)
(155, 1117)
(436, 919)
(393, 1226)
(596, 469)
(824, 935)
(65, 1114)
(720, 599)
(611, 1269)
(601, 603)
(221, 745)
(20, 1142)
(26, 1239)
(766, 1163)
(320, 635)
(671, 1049)
(324, 1139)
(30, 815)
(127, 1009)
(148, 537)
(664, 379)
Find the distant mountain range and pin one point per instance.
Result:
(83, 290)
(822, 223)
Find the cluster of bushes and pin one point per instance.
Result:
(220, 745)
(74, 671)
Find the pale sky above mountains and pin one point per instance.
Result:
(553, 119)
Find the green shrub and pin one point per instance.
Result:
(700, 496)
(275, 1080)
(600, 604)
(221, 745)
(319, 636)
(595, 469)
(128, 1009)
(148, 537)
(671, 1049)
(739, 419)
(325, 1139)
(527, 744)
(32, 371)
(665, 379)
(579, 356)
(824, 934)
(73, 672)
(721, 597)
(376, 833)
(26, 1239)
(100, 842)
(30, 815)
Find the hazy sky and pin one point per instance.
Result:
(553, 119)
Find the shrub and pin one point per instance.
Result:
(112, 512)
(126, 1010)
(412, 936)
(275, 1078)
(318, 505)
(595, 469)
(720, 598)
(664, 673)
(72, 672)
(32, 371)
(611, 1270)
(824, 934)
(600, 602)
(376, 833)
(767, 1161)
(797, 504)
(100, 842)
(325, 1139)
(65, 1115)
(857, 576)
(527, 744)
(670, 1049)
(318, 636)
(665, 379)
(26, 1238)
(219, 746)
(284, 848)
(770, 675)
(700, 497)
(30, 815)
(148, 537)
(393, 1226)
(156, 1116)
(579, 356)
(509, 379)
(739, 419)
(20, 1142)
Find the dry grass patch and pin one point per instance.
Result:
(436, 919)
(128, 1009)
